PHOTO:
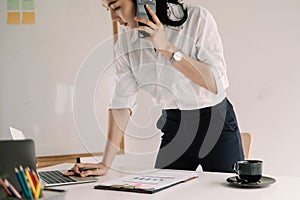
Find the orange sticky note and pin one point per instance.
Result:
(13, 18)
(28, 18)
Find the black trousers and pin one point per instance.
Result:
(208, 136)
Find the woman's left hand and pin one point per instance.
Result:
(155, 29)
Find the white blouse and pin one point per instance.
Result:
(139, 66)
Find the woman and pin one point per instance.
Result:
(181, 64)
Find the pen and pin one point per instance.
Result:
(186, 180)
(54, 190)
(83, 169)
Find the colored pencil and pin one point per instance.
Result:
(38, 182)
(24, 179)
(30, 191)
(21, 182)
(32, 177)
(38, 191)
(30, 180)
(5, 187)
(12, 189)
(35, 178)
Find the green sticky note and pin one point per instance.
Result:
(13, 4)
(27, 4)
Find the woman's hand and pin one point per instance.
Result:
(155, 29)
(88, 169)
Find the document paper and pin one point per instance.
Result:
(154, 180)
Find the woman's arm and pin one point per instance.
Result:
(197, 71)
(117, 123)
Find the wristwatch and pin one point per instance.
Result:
(176, 56)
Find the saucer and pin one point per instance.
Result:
(263, 182)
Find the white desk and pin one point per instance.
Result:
(207, 186)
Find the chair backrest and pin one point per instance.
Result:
(247, 144)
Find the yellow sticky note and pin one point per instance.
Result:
(13, 18)
(28, 18)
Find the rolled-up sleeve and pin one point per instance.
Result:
(209, 49)
(126, 87)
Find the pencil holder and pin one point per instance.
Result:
(48, 195)
(30, 186)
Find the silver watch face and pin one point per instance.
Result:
(177, 56)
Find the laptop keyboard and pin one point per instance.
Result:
(55, 176)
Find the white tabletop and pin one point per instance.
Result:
(207, 186)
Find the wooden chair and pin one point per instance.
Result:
(247, 144)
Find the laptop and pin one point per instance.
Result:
(14, 153)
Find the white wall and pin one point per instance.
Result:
(42, 67)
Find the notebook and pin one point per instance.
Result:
(14, 153)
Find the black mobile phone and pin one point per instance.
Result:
(142, 12)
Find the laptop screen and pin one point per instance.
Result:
(14, 153)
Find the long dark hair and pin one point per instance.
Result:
(162, 12)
